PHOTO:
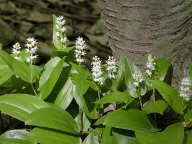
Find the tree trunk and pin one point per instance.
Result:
(163, 28)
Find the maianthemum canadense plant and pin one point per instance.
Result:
(64, 102)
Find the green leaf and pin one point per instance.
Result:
(110, 137)
(188, 115)
(163, 66)
(81, 86)
(20, 106)
(122, 139)
(50, 76)
(24, 71)
(16, 137)
(6, 73)
(45, 136)
(119, 97)
(54, 118)
(66, 94)
(131, 119)
(91, 139)
(170, 94)
(126, 70)
(173, 134)
(158, 106)
(106, 137)
(188, 137)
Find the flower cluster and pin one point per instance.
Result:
(16, 50)
(185, 88)
(61, 29)
(150, 65)
(111, 67)
(138, 78)
(31, 46)
(97, 70)
(80, 50)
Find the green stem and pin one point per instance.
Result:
(32, 80)
(81, 119)
(140, 99)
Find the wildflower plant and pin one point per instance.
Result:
(97, 70)
(31, 49)
(185, 88)
(16, 50)
(80, 50)
(111, 67)
(66, 102)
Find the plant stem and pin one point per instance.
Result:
(81, 119)
(32, 80)
(140, 99)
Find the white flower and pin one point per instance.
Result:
(16, 50)
(80, 50)
(31, 45)
(151, 65)
(97, 71)
(185, 88)
(61, 29)
(111, 67)
(138, 78)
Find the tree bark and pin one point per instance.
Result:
(163, 28)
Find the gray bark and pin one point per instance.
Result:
(159, 27)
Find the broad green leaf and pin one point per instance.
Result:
(116, 97)
(13, 141)
(131, 119)
(126, 70)
(91, 139)
(24, 71)
(158, 106)
(188, 115)
(110, 137)
(173, 134)
(188, 137)
(107, 138)
(122, 139)
(50, 76)
(170, 94)
(54, 118)
(163, 66)
(5, 73)
(45, 136)
(81, 86)
(66, 94)
(16, 137)
(20, 106)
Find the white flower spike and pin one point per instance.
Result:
(151, 65)
(16, 50)
(61, 29)
(138, 78)
(185, 88)
(31, 45)
(111, 67)
(97, 70)
(80, 52)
